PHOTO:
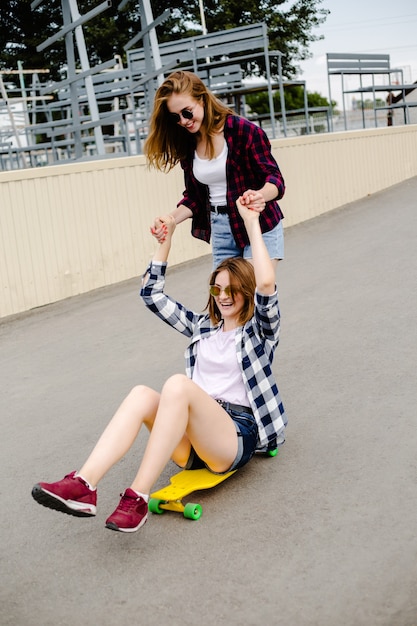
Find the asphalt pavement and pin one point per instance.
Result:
(322, 535)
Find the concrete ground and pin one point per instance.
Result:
(322, 535)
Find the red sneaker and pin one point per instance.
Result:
(130, 514)
(70, 495)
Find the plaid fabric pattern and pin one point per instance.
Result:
(249, 165)
(255, 346)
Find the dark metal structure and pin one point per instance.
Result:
(103, 110)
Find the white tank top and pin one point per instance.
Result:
(216, 355)
(212, 172)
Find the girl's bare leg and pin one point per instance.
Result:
(139, 407)
(185, 410)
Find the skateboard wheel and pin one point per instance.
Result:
(153, 506)
(192, 511)
(272, 452)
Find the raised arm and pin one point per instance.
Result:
(263, 266)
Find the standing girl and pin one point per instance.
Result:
(224, 157)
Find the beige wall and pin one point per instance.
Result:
(68, 229)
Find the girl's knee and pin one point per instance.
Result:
(176, 384)
(141, 395)
(140, 390)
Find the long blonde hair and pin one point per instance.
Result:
(167, 142)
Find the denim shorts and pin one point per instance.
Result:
(247, 439)
(224, 245)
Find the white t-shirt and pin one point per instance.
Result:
(212, 172)
(216, 355)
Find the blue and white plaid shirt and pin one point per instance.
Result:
(255, 345)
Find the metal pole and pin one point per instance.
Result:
(89, 86)
(202, 17)
(282, 96)
(269, 81)
(148, 18)
(28, 134)
(75, 112)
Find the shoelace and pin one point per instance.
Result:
(127, 503)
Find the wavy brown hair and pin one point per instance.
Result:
(169, 143)
(242, 279)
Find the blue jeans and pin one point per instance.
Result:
(224, 245)
(247, 439)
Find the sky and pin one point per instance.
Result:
(365, 26)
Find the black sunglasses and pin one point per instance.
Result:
(185, 113)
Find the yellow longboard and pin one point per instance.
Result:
(169, 498)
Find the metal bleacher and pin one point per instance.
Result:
(72, 116)
(103, 110)
(372, 66)
(216, 57)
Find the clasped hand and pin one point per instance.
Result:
(248, 214)
(163, 227)
(253, 200)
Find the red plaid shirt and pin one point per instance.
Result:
(249, 165)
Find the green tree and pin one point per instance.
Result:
(293, 98)
(23, 29)
(290, 27)
(20, 30)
